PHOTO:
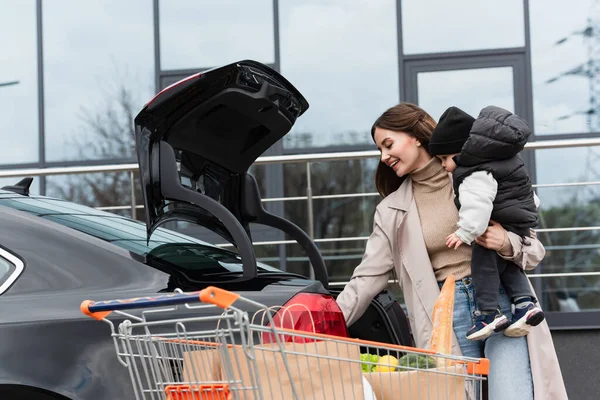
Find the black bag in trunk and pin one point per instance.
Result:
(384, 321)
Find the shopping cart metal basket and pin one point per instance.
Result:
(245, 356)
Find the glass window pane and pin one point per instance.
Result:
(564, 57)
(334, 217)
(110, 191)
(195, 34)
(6, 270)
(469, 89)
(431, 26)
(345, 64)
(98, 74)
(583, 166)
(341, 258)
(344, 217)
(49, 206)
(341, 217)
(568, 207)
(576, 292)
(18, 82)
(91, 226)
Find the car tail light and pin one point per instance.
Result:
(309, 312)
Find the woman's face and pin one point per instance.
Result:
(400, 151)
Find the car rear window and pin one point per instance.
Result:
(165, 246)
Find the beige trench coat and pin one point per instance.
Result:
(397, 242)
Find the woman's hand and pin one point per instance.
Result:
(495, 238)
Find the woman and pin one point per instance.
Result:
(409, 236)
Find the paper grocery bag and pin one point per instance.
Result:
(426, 384)
(201, 366)
(320, 371)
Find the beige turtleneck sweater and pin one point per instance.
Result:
(434, 196)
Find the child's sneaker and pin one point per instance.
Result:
(524, 319)
(485, 324)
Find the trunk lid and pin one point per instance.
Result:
(196, 140)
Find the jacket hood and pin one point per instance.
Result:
(496, 134)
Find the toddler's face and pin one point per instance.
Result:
(448, 162)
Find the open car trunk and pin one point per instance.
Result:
(195, 142)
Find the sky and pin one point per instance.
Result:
(341, 54)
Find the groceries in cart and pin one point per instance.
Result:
(377, 363)
(169, 358)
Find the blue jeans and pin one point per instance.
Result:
(510, 371)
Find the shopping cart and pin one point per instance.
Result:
(242, 357)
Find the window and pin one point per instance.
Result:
(431, 26)
(564, 59)
(10, 269)
(196, 34)
(570, 251)
(110, 189)
(582, 164)
(18, 82)
(98, 74)
(345, 64)
(340, 217)
(468, 89)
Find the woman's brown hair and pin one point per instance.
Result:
(407, 118)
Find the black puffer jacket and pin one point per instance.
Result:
(496, 139)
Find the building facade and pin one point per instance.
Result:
(73, 74)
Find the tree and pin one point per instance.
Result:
(108, 134)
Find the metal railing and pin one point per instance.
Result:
(308, 159)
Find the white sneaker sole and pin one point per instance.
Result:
(522, 327)
(498, 325)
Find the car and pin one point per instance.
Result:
(195, 142)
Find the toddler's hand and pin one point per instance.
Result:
(453, 241)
